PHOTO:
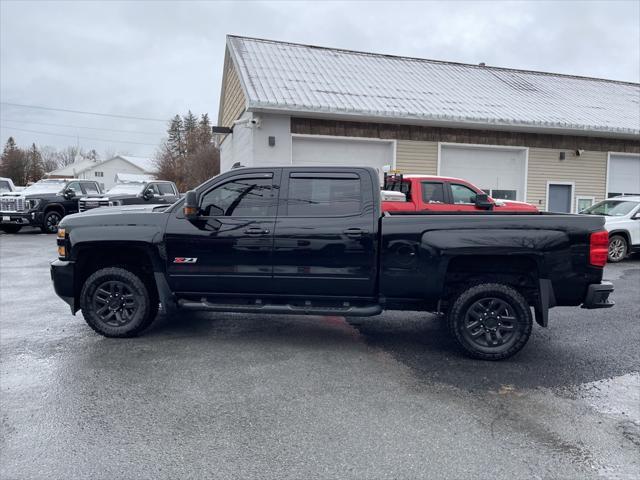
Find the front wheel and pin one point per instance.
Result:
(10, 228)
(618, 248)
(50, 222)
(118, 303)
(490, 321)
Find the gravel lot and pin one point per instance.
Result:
(247, 396)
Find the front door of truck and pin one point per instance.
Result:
(227, 249)
(325, 234)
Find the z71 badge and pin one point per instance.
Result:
(184, 260)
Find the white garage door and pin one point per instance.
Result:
(342, 152)
(624, 175)
(500, 172)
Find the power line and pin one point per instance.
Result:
(78, 126)
(40, 107)
(78, 137)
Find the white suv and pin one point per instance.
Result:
(622, 221)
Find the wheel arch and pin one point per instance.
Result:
(623, 233)
(55, 206)
(139, 257)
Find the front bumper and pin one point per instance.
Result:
(20, 218)
(598, 295)
(62, 276)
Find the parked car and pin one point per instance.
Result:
(155, 192)
(43, 204)
(422, 193)
(622, 221)
(313, 240)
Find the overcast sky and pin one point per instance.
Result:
(154, 59)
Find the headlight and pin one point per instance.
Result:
(32, 203)
(115, 203)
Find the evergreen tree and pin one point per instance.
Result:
(13, 163)
(175, 134)
(35, 167)
(191, 133)
(204, 130)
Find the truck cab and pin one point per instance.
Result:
(422, 193)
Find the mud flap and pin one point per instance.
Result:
(546, 300)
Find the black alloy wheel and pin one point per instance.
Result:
(115, 303)
(118, 302)
(51, 221)
(490, 321)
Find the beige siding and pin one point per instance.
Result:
(588, 172)
(417, 157)
(232, 100)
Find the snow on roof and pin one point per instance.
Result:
(133, 177)
(145, 164)
(294, 78)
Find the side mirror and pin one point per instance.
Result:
(190, 207)
(482, 201)
(68, 193)
(148, 194)
(636, 216)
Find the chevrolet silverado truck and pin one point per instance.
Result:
(313, 241)
(418, 193)
(43, 204)
(159, 192)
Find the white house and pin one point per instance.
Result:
(558, 141)
(106, 171)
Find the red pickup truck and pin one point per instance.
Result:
(415, 193)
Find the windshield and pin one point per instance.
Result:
(4, 186)
(121, 188)
(612, 208)
(44, 186)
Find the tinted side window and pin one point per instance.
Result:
(75, 186)
(323, 196)
(166, 189)
(90, 187)
(432, 192)
(247, 197)
(462, 194)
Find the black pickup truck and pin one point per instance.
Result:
(44, 203)
(159, 192)
(307, 240)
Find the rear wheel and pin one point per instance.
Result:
(116, 302)
(490, 321)
(50, 222)
(618, 248)
(10, 228)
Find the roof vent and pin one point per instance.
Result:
(482, 64)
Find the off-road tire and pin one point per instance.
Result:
(10, 228)
(460, 320)
(97, 287)
(618, 249)
(48, 224)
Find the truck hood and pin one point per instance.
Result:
(515, 204)
(123, 210)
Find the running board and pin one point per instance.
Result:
(349, 310)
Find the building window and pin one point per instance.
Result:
(582, 203)
(497, 194)
(99, 174)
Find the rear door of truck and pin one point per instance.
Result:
(326, 233)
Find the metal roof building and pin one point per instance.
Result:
(554, 139)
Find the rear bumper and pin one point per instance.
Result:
(62, 275)
(598, 295)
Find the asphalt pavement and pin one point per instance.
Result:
(253, 396)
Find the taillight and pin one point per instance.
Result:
(599, 248)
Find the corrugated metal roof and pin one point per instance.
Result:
(278, 76)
